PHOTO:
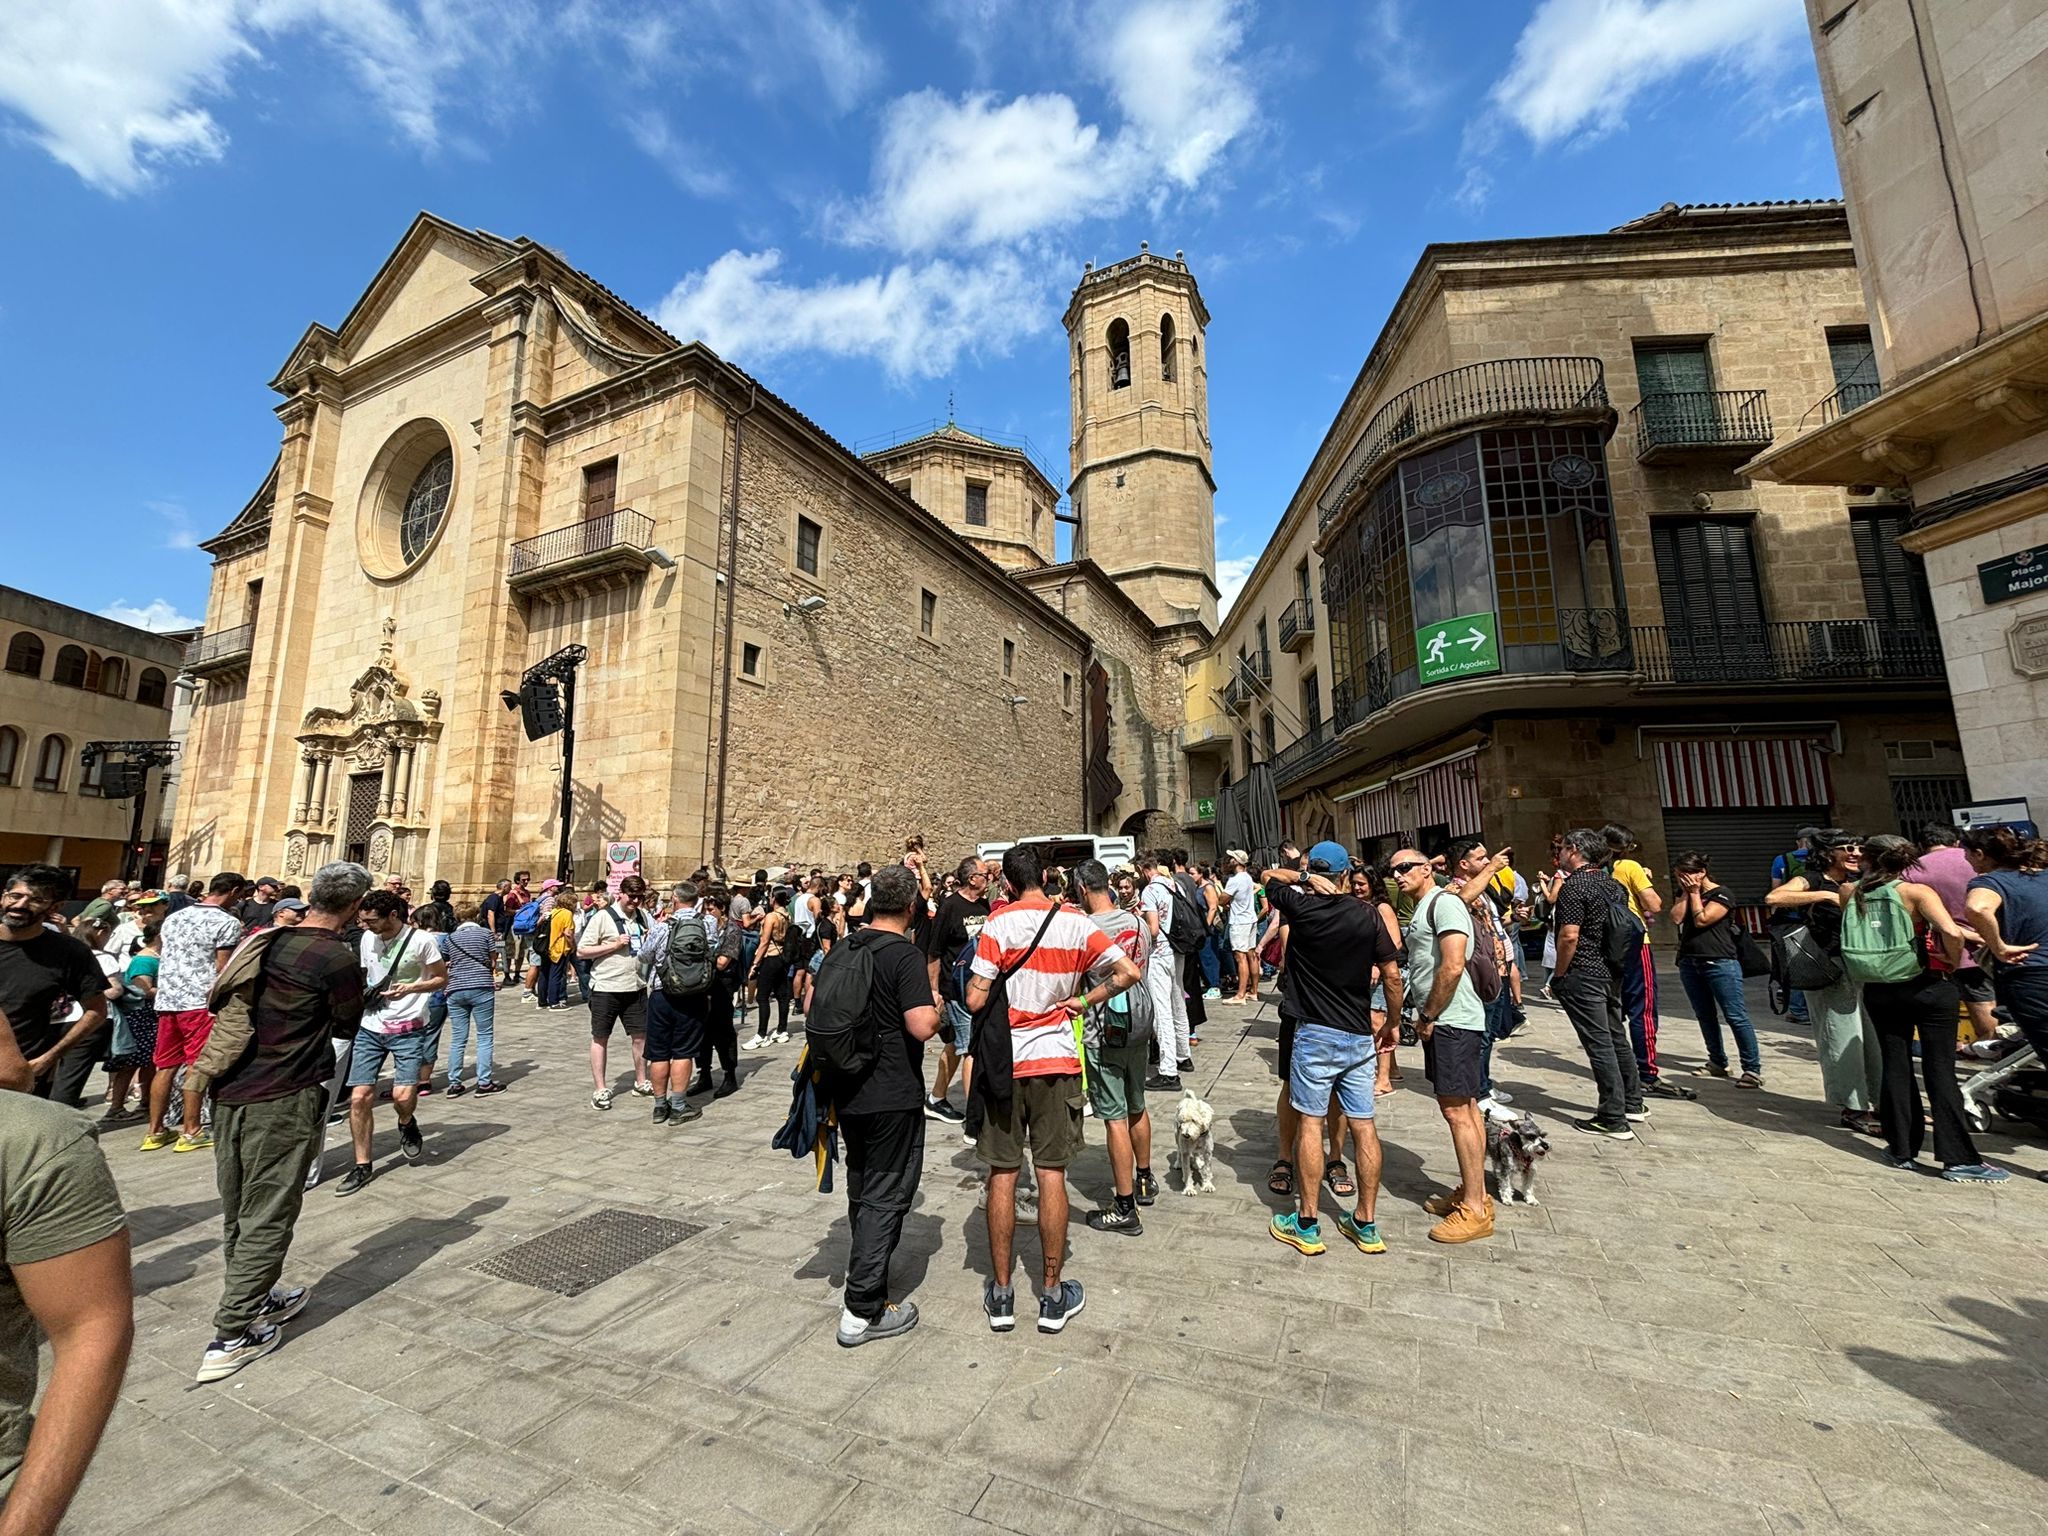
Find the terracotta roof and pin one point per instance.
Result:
(1672, 213)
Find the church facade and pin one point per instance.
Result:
(794, 654)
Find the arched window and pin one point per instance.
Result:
(1166, 348)
(114, 677)
(1119, 355)
(70, 667)
(50, 762)
(89, 775)
(25, 654)
(10, 753)
(151, 687)
(425, 505)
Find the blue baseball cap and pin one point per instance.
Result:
(1329, 859)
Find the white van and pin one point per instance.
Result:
(1066, 852)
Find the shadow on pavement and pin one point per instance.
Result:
(387, 1257)
(1961, 1391)
(923, 1235)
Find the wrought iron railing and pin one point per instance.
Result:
(623, 529)
(1849, 397)
(1297, 622)
(1515, 386)
(1701, 418)
(1801, 651)
(1305, 752)
(1258, 664)
(219, 646)
(1236, 694)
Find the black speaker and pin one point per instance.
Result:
(540, 708)
(123, 780)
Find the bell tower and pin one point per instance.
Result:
(1143, 488)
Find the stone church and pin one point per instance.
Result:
(794, 653)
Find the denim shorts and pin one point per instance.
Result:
(406, 1052)
(959, 1027)
(1325, 1059)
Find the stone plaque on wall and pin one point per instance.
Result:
(2028, 639)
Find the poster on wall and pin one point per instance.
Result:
(621, 860)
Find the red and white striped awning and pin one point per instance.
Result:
(1446, 793)
(1714, 774)
(1376, 813)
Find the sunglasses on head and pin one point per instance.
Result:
(1403, 867)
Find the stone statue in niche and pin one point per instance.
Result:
(380, 850)
(294, 855)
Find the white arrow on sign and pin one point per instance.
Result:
(1474, 638)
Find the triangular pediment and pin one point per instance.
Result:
(430, 275)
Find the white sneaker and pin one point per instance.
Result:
(602, 1099)
(758, 1043)
(643, 1088)
(1502, 1096)
(224, 1357)
(782, 1037)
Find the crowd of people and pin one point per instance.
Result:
(255, 1010)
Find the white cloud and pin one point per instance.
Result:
(1388, 46)
(1579, 65)
(685, 162)
(991, 182)
(178, 532)
(157, 614)
(916, 318)
(979, 171)
(1231, 575)
(1172, 66)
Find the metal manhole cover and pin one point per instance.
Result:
(587, 1252)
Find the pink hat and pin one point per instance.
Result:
(549, 885)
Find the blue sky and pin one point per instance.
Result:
(872, 207)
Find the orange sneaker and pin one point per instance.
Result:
(1463, 1225)
(1446, 1201)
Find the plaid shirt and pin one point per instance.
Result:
(310, 994)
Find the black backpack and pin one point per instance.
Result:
(1186, 930)
(1621, 937)
(838, 1028)
(685, 968)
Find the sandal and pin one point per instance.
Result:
(1281, 1180)
(1338, 1177)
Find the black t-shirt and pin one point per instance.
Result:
(1713, 943)
(896, 1082)
(255, 914)
(1333, 943)
(959, 920)
(493, 907)
(34, 975)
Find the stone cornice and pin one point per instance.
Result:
(1114, 459)
(1147, 267)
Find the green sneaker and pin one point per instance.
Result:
(1364, 1235)
(1288, 1229)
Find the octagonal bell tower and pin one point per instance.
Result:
(1143, 487)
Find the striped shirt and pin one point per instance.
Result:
(1073, 955)
(470, 959)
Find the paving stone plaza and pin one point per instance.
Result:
(1744, 1321)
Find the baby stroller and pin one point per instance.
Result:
(2014, 1088)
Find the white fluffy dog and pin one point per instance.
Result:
(1191, 1132)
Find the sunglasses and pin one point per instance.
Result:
(1403, 868)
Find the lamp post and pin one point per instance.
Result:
(543, 715)
(141, 756)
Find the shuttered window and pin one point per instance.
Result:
(1706, 571)
(1852, 357)
(1667, 368)
(1894, 580)
(600, 490)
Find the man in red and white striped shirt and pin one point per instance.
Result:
(1045, 994)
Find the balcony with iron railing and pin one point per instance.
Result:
(593, 555)
(1298, 625)
(1816, 652)
(1852, 396)
(1680, 426)
(221, 652)
(1510, 389)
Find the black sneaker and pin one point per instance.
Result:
(684, 1113)
(1594, 1126)
(731, 1085)
(1148, 1187)
(1114, 1220)
(661, 1111)
(942, 1109)
(354, 1180)
(410, 1143)
(1158, 1084)
(1000, 1303)
(282, 1305)
(1185, 1064)
(1657, 1088)
(701, 1083)
(1057, 1308)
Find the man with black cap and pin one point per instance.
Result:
(1336, 948)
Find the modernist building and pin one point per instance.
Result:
(69, 679)
(1525, 584)
(1939, 114)
(793, 653)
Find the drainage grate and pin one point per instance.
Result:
(587, 1252)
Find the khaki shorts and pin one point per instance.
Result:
(1045, 1114)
